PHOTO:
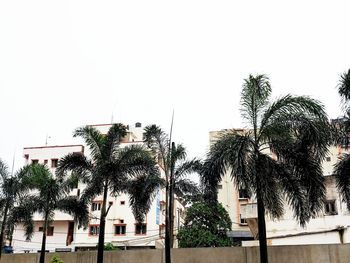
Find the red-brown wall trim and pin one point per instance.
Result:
(54, 146)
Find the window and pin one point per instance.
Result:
(26, 156)
(54, 163)
(243, 194)
(328, 159)
(121, 221)
(140, 229)
(242, 220)
(220, 186)
(45, 161)
(120, 229)
(122, 202)
(94, 230)
(330, 207)
(49, 231)
(96, 206)
(35, 161)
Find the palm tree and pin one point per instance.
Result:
(172, 158)
(12, 189)
(296, 130)
(115, 170)
(48, 195)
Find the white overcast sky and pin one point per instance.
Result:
(64, 64)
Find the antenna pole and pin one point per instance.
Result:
(171, 129)
(13, 162)
(168, 227)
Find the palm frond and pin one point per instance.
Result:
(255, 93)
(131, 162)
(76, 208)
(234, 151)
(178, 153)
(342, 177)
(306, 166)
(184, 188)
(141, 191)
(93, 188)
(4, 173)
(22, 214)
(158, 141)
(344, 87)
(187, 167)
(2, 204)
(93, 139)
(287, 107)
(77, 164)
(114, 136)
(297, 130)
(266, 182)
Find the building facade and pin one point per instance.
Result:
(122, 230)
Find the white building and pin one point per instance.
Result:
(331, 226)
(121, 227)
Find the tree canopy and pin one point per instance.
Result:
(205, 226)
(278, 156)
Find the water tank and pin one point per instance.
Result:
(138, 125)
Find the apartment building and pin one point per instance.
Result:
(331, 226)
(122, 230)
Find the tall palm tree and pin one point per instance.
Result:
(172, 158)
(48, 195)
(12, 189)
(113, 170)
(296, 130)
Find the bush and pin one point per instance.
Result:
(109, 247)
(56, 259)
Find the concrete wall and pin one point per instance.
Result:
(277, 254)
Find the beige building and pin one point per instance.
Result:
(331, 226)
(121, 227)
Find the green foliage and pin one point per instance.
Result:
(49, 195)
(296, 130)
(109, 247)
(205, 225)
(56, 259)
(113, 170)
(342, 129)
(174, 160)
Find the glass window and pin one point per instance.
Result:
(94, 230)
(140, 229)
(96, 206)
(120, 229)
(54, 163)
(330, 207)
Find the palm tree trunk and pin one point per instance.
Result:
(43, 242)
(167, 223)
(171, 212)
(171, 196)
(3, 227)
(262, 229)
(101, 236)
